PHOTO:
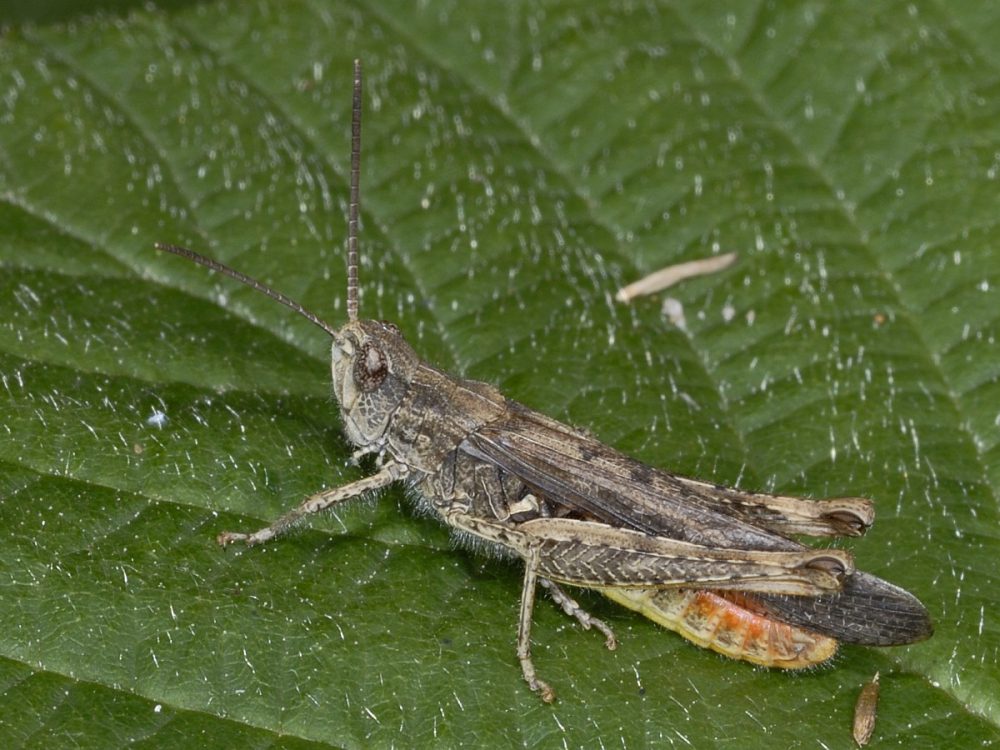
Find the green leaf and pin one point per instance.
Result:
(521, 162)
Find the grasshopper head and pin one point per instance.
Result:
(372, 364)
(372, 367)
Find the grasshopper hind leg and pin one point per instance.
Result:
(568, 605)
(541, 687)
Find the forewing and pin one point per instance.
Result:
(576, 470)
(842, 516)
(867, 610)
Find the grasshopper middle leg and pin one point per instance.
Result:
(571, 608)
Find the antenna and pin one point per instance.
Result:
(243, 278)
(352, 233)
(352, 222)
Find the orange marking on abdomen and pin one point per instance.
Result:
(729, 624)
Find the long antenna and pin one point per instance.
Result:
(250, 282)
(352, 223)
(352, 233)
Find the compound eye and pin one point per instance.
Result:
(370, 367)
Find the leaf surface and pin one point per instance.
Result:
(521, 162)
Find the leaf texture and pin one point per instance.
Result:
(522, 161)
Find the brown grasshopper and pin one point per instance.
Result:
(714, 563)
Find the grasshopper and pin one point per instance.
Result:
(715, 564)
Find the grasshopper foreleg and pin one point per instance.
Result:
(388, 474)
